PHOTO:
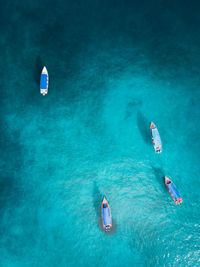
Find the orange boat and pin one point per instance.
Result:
(156, 138)
(173, 191)
(106, 215)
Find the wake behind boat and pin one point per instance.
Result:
(44, 81)
(106, 215)
(156, 138)
(173, 191)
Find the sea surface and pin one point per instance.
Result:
(114, 66)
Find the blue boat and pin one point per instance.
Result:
(173, 191)
(156, 138)
(106, 215)
(44, 81)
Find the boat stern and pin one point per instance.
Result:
(43, 91)
(158, 149)
(108, 228)
(179, 201)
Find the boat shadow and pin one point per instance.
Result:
(37, 70)
(160, 177)
(34, 91)
(144, 127)
(97, 200)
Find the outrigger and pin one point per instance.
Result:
(173, 191)
(156, 138)
(106, 215)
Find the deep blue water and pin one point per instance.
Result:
(114, 66)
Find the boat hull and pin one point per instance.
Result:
(106, 215)
(44, 82)
(156, 138)
(173, 191)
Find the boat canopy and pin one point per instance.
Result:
(106, 216)
(156, 137)
(43, 82)
(173, 191)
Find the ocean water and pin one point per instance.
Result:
(114, 66)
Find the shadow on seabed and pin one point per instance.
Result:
(38, 69)
(144, 127)
(160, 177)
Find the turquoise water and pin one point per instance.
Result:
(114, 67)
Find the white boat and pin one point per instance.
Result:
(44, 81)
(156, 138)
